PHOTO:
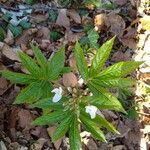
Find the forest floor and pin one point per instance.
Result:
(129, 20)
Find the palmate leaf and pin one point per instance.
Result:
(118, 70)
(93, 128)
(104, 99)
(30, 64)
(81, 62)
(101, 56)
(19, 78)
(51, 118)
(62, 128)
(100, 121)
(74, 135)
(56, 64)
(118, 82)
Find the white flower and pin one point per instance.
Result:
(58, 94)
(91, 110)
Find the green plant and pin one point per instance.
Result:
(71, 109)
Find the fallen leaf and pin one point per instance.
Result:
(10, 53)
(2, 146)
(50, 131)
(44, 33)
(69, 80)
(119, 56)
(119, 147)
(39, 18)
(116, 24)
(120, 2)
(145, 21)
(3, 85)
(72, 62)
(131, 43)
(38, 145)
(62, 19)
(9, 38)
(100, 22)
(74, 15)
(25, 118)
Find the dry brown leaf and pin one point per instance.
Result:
(10, 53)
(39, 18)
(131, 43)
(69, 80)
(74, 15)
(62, 19)
(38, 145)
(72, 62)
(119, 56)
(9, 38)
(3, 85)
(120, 2)
(73, 37)
(26, 36)
(25, 118)
(50, 131)
(44, 33)
(100, 22)
(116, 24)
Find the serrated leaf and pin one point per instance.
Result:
(54, 35)
(30, 64)
(74, 135)
(81, 62)
(119, 82)
(50, 118)
(100, 121)
(19, 78)
(104, 99)
(120, 69)
(93, 128)
(42, 61)
(48, 104)
(62, 128)
(16, 31)
(101, 56)
(93, 37)
(56, 64)
(33, 92)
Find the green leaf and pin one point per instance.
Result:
(30, 64)
(7, 16)
(53, 15)
(2, 34)
(93, 38)
(62, 128)
(94, 2)
(119, 82)
(16, 31)
(48, 104)
(56, 64)
(33, 92)
(100, 121)
(101, 56)
(81, 62)
(25, 24)
(54, 35)
(29, 2)
(50, 118)
(42, 61)
(93, 128)
(19, 78)
(74, 135)
(104, 99)
(120, 69)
